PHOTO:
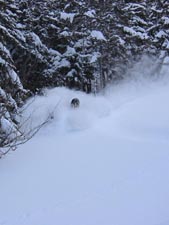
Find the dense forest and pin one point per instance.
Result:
(80, 44)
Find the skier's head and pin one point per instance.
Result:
(75, 103)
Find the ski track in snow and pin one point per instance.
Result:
(105, 163)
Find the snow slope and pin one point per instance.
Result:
(106, 163)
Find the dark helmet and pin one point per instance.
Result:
(75, 103)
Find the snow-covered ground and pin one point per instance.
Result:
(106, 163)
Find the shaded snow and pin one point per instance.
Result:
(166, 20)
(94, 57)
(134, 6)
(105, 163)
(15, 78)
(166, 60)
(65, 33)
(35, 38)
(4, 49)
(67, 16)
(8, 128)
(2, 61)
(70, 52)
(138, 34)
(98, 35)
(160, 34)
(90, 13)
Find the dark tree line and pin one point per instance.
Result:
(80, 44)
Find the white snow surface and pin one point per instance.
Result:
(105, 163)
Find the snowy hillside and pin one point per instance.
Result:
(105, 163)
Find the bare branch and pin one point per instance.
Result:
(20, 138)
